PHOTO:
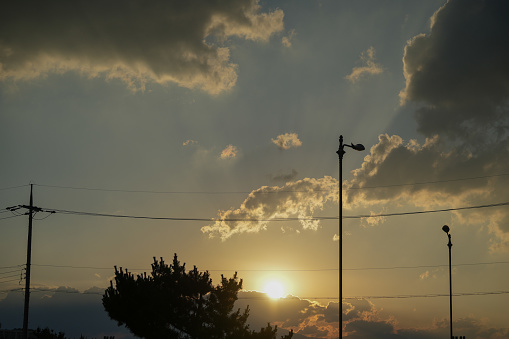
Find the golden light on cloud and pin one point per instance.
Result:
(369, 66)
(287, 140)
(229, 152)
(189, 142)
(274, 289)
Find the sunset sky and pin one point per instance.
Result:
(232, 109)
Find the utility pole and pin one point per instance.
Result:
(32, 210)
(29, 262)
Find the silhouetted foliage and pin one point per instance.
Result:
(46, 333)
(173, 303)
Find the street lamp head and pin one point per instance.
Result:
(445, 228)
(358, 147)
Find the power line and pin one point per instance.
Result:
(289, 270)
(272, 219)
(141, 191)
(428, 211)
(11, 290)
(13, 187)
(408, 296)
(4, 282)
(6, 267)
(9, 272)
(10, 276)
(269, 192)
(181, 218)
(424, 266)
(292, 298)
(12, 216)
(215, 270)
(431, 182)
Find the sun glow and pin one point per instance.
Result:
(274, 289)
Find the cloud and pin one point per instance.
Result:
(459, 77)
(361, 319)
(459, 71)
(295, 199)
(284, 177)
(427, 176)
(189, 142)
(287, 40)
(229, 152)
(287, 140)
(161, 41)
(304, 317)
(393, 162)
(67, 307)
(63, 309)
(369, 66)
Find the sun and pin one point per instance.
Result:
(274, 289)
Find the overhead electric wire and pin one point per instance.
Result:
(7, 281)
(18, 271)
(423, 266)
(12, 216)
(181, 218)
(427, 211)
(215, 270)
(142, 191)
(292, 298)
(288, 270)
(10, 188)
(408, 296)
(269, 192)
(9, 276)
(69, 212)
(432, 182)
(11, 290)
(6, 267)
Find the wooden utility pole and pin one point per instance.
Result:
(29, 262)
(32, 210)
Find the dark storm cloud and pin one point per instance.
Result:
(459, 71)
(138, 42)
(459, 75)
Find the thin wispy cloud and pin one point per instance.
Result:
(287, 141)
(158, 42)
(284, 177)
(368, 66)
(287, 39)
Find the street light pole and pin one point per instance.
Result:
(340, 152)
(446, 229)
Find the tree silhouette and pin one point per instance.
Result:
(173, 303)
(47, 333)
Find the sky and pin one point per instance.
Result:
(189, 113)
